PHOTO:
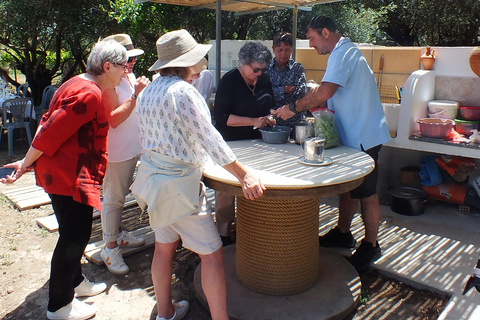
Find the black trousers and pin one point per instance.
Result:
(74, 229)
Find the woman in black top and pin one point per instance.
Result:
(244, 95)
(243, 101)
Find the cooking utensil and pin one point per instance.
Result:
(448, 108)
(303, 130)
(465, 127)
(436, 127)
(314, 149)
(408, 201)
(275, 134)
(470, 113)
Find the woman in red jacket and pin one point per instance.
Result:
(69, 157)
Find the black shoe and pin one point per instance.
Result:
(334, 238)
(365, 254)
(226, 241)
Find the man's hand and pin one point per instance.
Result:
(283, 112)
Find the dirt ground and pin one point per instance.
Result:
(25, 253)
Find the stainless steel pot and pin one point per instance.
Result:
(303, 130)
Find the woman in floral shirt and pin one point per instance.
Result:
(286, 75)
(69, 154)
(178, 138)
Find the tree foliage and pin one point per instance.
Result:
(50, 39)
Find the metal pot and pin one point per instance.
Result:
(303, 130)
(408, 201)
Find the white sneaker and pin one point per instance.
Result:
(128, 240)
(114, 261)
(75, 310)
(181, 309)
(88, 289)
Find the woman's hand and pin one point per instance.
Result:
(20, 169)
(141, 83)
(252, 186)
(263, 121)
(289, 89)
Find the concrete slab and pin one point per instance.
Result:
(437, 250)
(334, 295)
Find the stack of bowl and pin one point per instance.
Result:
(469, 119)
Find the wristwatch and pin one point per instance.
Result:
(291, 106)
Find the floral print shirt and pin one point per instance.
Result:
(175, 121)
(292, 75)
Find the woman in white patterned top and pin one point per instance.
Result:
(178, 138)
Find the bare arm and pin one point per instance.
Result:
(22, 166)
(251, 185)
(240, 121)
(115, 113)
(317, 97)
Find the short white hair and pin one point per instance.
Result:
(105, 51)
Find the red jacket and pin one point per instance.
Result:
(73, 139)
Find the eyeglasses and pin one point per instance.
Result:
(257, 70)
(131, 59)
(121, 65)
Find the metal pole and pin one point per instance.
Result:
(218, 42)
(294, 31)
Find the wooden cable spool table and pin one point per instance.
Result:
(277, 250)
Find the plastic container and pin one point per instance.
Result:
(465, 127)
(275, 134)
(470, 113)
(325, 127)
(445, 109)
(436, 128)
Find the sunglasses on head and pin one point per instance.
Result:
(257, 70)
(131, 59)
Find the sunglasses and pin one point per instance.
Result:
(257, 70)
(121, 65)
(131, 59)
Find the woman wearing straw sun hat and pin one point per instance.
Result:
(178, 138)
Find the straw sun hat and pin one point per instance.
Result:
(126, 41)
(178, 49)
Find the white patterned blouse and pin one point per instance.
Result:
(175, 121)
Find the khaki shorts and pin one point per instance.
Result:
(197, 231)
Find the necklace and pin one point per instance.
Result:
(254, 85)
(248, 86)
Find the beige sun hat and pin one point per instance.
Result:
(178, 49)
(201, 65)
(126, 41)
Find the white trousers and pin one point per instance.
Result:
(116, 185)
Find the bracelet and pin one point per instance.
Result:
(291, 106)
(134, 96)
